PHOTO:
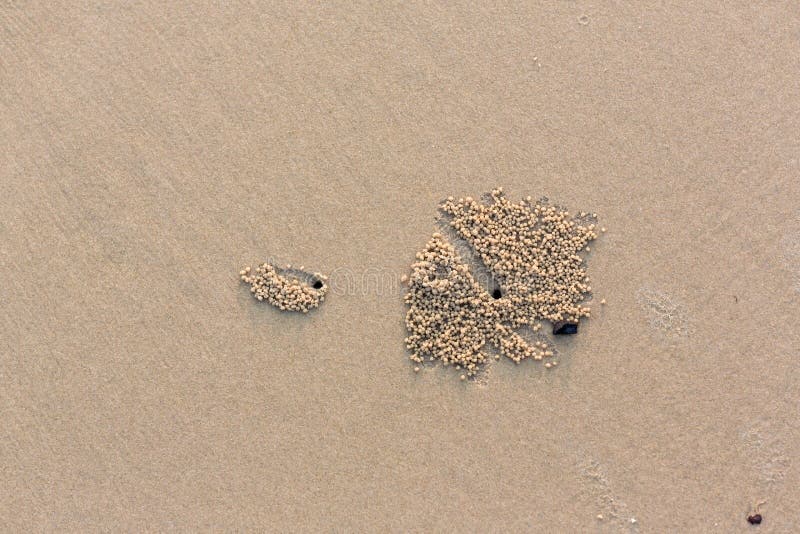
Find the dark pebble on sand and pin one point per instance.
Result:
(754, 519)
(562, 328)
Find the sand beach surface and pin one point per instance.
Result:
(149, 151)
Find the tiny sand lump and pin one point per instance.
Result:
(531, 250)
(287, 289)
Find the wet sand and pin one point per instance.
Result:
(151, 150)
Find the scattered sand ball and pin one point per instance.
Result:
(286, 289)
(531, 250)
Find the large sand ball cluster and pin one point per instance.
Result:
(286, 289)
(531, 249)
(452, 317)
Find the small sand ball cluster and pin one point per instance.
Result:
(531, 249)
(284, 289)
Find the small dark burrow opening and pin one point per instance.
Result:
(318, 284)
(497, 293)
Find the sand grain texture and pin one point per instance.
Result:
(150, 149)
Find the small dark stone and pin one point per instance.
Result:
(754, 519)
(496, 294)
(563, 328)
(318, 284)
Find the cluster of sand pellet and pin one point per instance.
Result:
(284, 291)
(451, 317)
(531, 249)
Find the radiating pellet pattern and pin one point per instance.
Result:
(448, 312)
(286, 289)
(451, 317)
(531, 249)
